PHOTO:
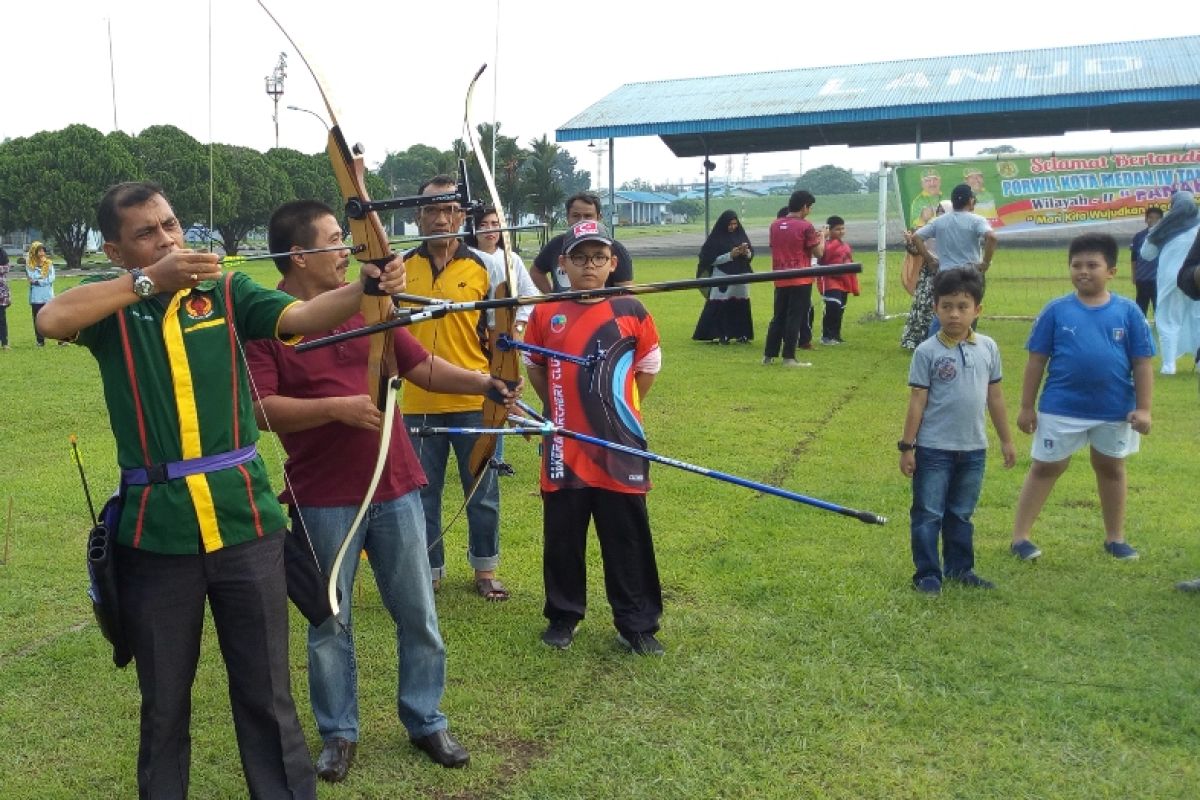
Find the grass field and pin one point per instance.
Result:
(799, 662)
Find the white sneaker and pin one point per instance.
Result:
(768, 361)
(791, 362)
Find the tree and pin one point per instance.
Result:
(829, 180)
(689, 207)
(311, 177)
(542, 179)
(53, 179)
(506, 160)
(178, 163)
(247, 187)
(636, 185)
(998, 150)
(403, 172)
(872, 181)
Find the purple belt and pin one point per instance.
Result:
(161, 473)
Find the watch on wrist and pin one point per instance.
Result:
(142, 285)
(904, 446)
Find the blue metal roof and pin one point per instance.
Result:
(645, 197)
(1118, 86)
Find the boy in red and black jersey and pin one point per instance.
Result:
(582, 482)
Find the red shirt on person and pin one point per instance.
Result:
(331, 465)
(838, 252)
(792, 241)
(601, 400)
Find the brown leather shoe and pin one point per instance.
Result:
(442, 749)
(335, 759)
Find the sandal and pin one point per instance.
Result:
(491, 590)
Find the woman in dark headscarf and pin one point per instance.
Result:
(726, 315)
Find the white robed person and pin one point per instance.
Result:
(1176, 316)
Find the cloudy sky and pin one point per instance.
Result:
(397, 71)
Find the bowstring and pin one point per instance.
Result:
(279, 452)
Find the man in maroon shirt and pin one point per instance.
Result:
(318, 405)
(794, 242)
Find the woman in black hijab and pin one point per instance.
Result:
(726, 314)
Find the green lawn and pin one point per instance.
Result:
(799, 662)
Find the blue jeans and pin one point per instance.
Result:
(946, 488)
(483, 512)
(391, 535)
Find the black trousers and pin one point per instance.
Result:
(791, 323)
(630, 572)
(1147, 296)
(835, 309)
(35, 308)
(162, 600)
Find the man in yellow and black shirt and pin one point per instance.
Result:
(199, 519)
(449, 270)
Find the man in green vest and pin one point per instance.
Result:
(199, 519)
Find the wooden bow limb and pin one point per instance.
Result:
(504, 364)
(371, 241)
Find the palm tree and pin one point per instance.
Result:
(542, 178)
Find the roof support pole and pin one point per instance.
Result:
(612, 191)
(918, 140)
(881, 241)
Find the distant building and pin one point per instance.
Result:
(721, 190)
(644, 208)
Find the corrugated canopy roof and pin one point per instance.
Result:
(1145, 85)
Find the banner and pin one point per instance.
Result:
(1025, 192)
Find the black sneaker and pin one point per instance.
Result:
(641, 644)
(559, 634)
(972, 580)
(928, 585)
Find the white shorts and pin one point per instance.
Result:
(1059, 437)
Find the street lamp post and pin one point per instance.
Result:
(599, 149)
(320, 119)
(274, 83)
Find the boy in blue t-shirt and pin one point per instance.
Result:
(955, 374)
(1098, 388)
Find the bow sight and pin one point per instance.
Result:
(357, 208)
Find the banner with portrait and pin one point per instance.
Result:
(1018, 191)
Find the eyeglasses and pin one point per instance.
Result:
(439, 211)
(597, 259)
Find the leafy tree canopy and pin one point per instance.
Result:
(178, 163)
(247, 188)
(829, 180)
(54, 179)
